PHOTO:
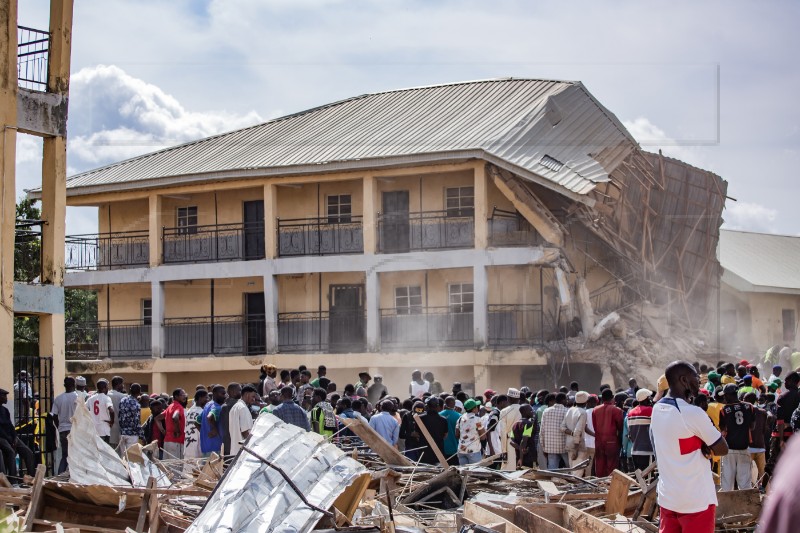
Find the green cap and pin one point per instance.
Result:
(470, 404)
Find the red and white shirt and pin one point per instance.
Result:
(678, 429)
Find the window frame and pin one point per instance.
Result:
(406, 304)
(147, 311)
(465, 203)
(183, 218)
(334, 211)
(458, 291)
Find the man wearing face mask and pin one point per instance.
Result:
(410, 432)
(683, 437)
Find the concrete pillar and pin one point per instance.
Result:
(483, 378)
(54, 209)
(370, 214)
(373, 312)
(159, 380)
(270, 221)
(8, 143)
(155, 223)
(60, 46)
(51, 342)
(271, 312)
(481, 207)
(480, 313)
(157, 341)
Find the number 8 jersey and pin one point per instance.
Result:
(736, 419)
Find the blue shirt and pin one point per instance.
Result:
(210, 444)
(450, 441)
(129, 417)
(386, 426)
(291, 413)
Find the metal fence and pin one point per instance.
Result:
(515, 325)
(33, 399)
(321, 332)
(217, 335)
(199, 244)
(111, 338)
(32, 58)
(425, 327)
(427, 230)
(508, 228)
(107, 250)
(320, 236)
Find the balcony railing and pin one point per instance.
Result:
(322, 332)
(107, 250)
(425, 328)
(320, 236)
(428, 230)
(32, 54)
(507, 228)
(215, 242)
(515, 325)
(112, 338)
(217, 335)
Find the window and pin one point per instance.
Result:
(408, 300)
(461, 297)
(460, 201)
(187, 220)
(339, 208)
(147, 312)
(789, 325)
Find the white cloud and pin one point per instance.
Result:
(750, 217)
(29, 148)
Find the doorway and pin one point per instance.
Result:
(255, 323)
(254, 230)
(346, 318)
(395, 228)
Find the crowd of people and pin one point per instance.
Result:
(736, 421)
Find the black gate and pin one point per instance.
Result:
(33, 400)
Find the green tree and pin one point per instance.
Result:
(27, 242)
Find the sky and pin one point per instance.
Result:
(712, 83)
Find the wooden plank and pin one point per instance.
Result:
(549, 487)
(4, 482)
(481, 516)
(737, 502)
(79, 527)
(151, 483)
(36, 498)
(532, 522)
(388, 453)
(348, 501)
(431, 443)
(618, 492)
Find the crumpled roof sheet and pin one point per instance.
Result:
(253, 497)
(517, 121)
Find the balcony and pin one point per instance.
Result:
(422, 231)
(112, 338)
(212, 243)
(322, 332)
(32, 55)
(430, 328)
(515, 325)
(215, 335)
(320, 236)
(508, 228)
(107, 251)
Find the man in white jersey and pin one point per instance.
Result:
(101, 410)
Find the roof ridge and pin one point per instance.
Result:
(759, 233)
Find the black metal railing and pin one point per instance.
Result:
(215, 335)
(33, 401)
(322, 331)
(508, 228)
(320, 236)
(107, 250)
(515, 325)
(110, 338)
(427, 230)
(32, 58)
(425, 327)
(214, 242)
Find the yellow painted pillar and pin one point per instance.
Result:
(54, 209)
(481, 207)
(270, 220)
(370, 214)
(155, 223)
(52, 339)
(8, 142)
(159, 380)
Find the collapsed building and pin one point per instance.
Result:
(497, 233)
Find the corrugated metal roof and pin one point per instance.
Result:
(762, 260)
(517, 121)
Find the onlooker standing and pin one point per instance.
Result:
(240, 422)
(607, 422)
(101, 410)
(758, 437)
(638, 421)
(437, 428)
(80, 388)
(574, 426)
(591, 403)
(410, 431)
(435, 387)
(508, 417)
(470, 433)
(290, 412)
(63, 409)
(451, 441)
(117, 393)
(736, 422)
(493, 425)
(385, 424)
(153, 428)
(683, 437)
(553, 438)
(23, 397)
(418, 386)
(269, 384)
(377, 390)
(234, 395)
(210, 434)
(524, 436)
(11, 445)
(322, 371)
(193, 420)
(175, 425)
(130, 412)
(323, 419)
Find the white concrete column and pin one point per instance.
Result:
(480, 313)
(157, 341)
(373, 312)
(271, 312)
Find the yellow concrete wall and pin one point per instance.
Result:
(302, 293)
(126, 301)
(438, 280)
(230, 204)
(433, 188)
(497, 199)
(203, 201)
(123, 216)
(513, 285)
(766, 319)
(310, 200)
